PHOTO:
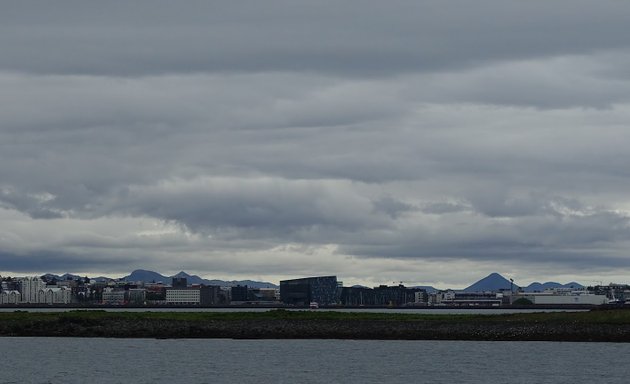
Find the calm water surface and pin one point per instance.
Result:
(76, 360)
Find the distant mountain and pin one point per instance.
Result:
(249, 283)
(65, 276)
(427, 288)
(102, 279)
(147, 277)
(491, 283)
(150, 276)
(191, 279)
(539, 287)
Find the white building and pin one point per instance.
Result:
(33, 290)
(563, 296)
(183, 296)
(30, 288)
(10, 297)
(55, 295)
(113, 296)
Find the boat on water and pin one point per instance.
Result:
(313, 305)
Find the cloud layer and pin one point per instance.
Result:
(426, 141)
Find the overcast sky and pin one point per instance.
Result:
(429, 142)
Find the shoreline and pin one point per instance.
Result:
(594, 326)
(272, 307)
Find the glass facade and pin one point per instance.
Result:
(322, 290)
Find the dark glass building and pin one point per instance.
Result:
(380, 296)
(322, 290)
(357, 296)
(239, 293)
(179, 282)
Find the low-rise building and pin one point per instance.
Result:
(383, 295)
(563, 297)
(55, 295)
(113, 296)
(29, 289)
(467, 299)
(137, 296)
(183, 296)
(10, 297)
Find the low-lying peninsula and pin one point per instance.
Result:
(597, 325)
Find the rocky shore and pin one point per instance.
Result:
(453, 328)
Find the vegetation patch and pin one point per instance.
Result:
(603, 325)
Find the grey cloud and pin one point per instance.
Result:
(55, 261)
(551, 83)
(439, 208)
(583, 241)
(409, 130)
(266, 204)
(392, 207)
(367, 38)
(35, 205)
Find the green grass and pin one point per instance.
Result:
(591, 317)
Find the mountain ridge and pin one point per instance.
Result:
(491, 283)
(149, 276)
(495, 282)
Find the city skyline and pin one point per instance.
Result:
(424, 142)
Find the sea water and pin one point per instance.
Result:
(94, 360)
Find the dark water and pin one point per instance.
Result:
(75, 360)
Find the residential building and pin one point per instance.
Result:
(137, 296)
(55, 295)
(113, 296)
(29, 289)
(10, 297)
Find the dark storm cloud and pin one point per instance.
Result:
(582, 240)
(222, 134)
(55, 261)
(153, 37)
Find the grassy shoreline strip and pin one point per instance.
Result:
(611, 325)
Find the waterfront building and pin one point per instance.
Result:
(55, 295)
(468, 299)
(10, 297)
(322, 290)
(239, 293)
(420, 297)
(187, 296)
(394, 296)
(137, 296)
(264, 294)
(113, 296)
(357, 296)
(179, 282)
(29, 289)
(213, 295)
(614, 292)
(564, 297)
